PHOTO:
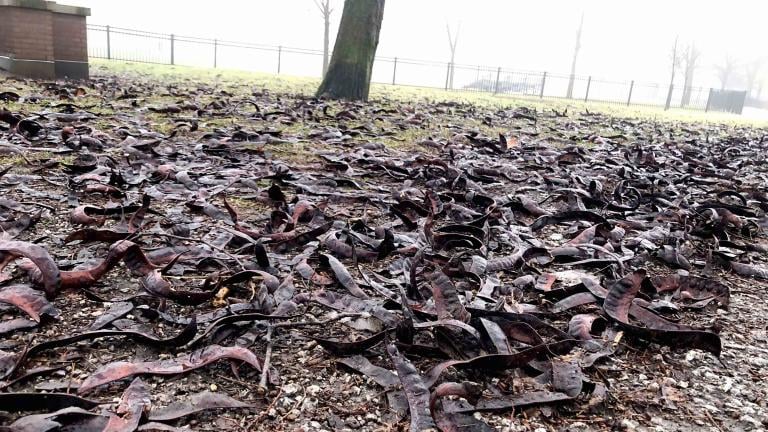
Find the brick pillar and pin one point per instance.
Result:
(42, 39)
(70, 45)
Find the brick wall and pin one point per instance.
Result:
(70, 37)
(43, 35)
(5, 32)
(47, 40)
(30, 33)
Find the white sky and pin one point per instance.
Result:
(622, 40)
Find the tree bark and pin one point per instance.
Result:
(349, 73)
(675, 60)
(327, 37)
(576, 49)
(452, 41)
(687, 89)
(691, 63)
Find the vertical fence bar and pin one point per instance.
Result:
(709, 99)
(498, 77)
(394, 72)
(631, 87)
(215, 53)
(589, 84)
(447, 75)
(173, 59)
(109, 45)
(279, 59)
(543, 83)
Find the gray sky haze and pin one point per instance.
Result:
(622, 40)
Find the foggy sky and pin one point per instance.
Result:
(622, 40)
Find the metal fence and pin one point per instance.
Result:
(116, 43)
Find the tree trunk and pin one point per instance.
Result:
(687, 86)
(326, 40)
(672, 78)
(349, 73)
(691, 59)
(572, 78)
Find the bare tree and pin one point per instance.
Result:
(725, 70)
(349, 72)
(690, 59)
(575, 57)
(326, 10)
(452, 40)
(676, 59)
(752, 74)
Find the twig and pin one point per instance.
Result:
(296, 405)
(318, 323)
(266, 411)
(47, 207)
(234, 258)
(71, 375)
(603, 250)
(267, 361)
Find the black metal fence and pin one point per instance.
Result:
(116, 43)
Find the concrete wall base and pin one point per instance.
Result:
(71, 69)
(59, 69)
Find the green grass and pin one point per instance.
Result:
(21, 165)
(11, 159)
(234, 80)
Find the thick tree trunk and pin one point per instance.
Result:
(349, 74)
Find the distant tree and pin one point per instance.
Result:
(752, 74)
(326, 10)
(349, 72)
(676, 60)
(725, 70)
(576, 49)
(690, 59)
(452, 41)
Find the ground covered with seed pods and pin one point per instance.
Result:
(181, 254)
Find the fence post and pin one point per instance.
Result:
(447, 75)
(215, 53)
(709, 99)
(109, 45)
(279, 59)
(498, 76)
(589, 84)
(173, 60)
(631, 86)
(543, 83)
(394, 72)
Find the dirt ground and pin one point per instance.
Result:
(684, 199)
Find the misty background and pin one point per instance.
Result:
(620, 41)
